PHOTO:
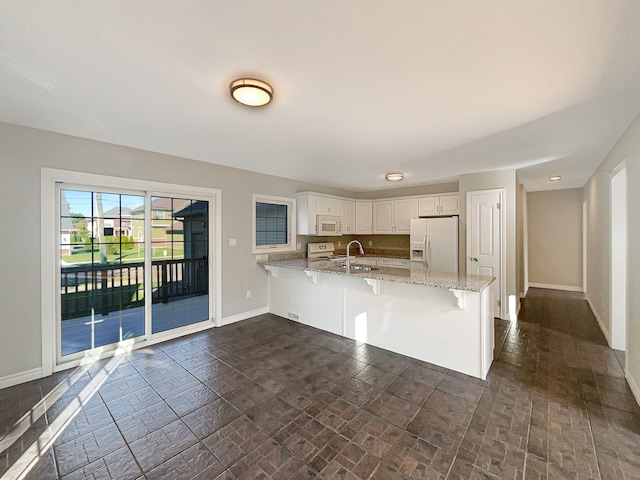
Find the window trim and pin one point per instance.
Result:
(290, 246)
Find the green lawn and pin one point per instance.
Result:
(130, 256)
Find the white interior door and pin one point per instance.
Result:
(484, 239)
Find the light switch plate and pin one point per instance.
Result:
(233, 242)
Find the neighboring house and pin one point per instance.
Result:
(117, 223)
(165, 230)
(195, 219)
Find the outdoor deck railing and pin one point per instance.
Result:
(107, 288)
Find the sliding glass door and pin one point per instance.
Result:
(180, 266)
(127, 256)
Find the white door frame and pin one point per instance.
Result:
(618, 297)
(49, 220)
(502, 287)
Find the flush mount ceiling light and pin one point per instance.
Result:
(555, 178)
(251, 92)
(394, 177)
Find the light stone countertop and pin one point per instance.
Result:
(415, 276)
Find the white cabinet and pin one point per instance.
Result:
(394, 262)
(405, 210)
(394, 216)
(327, 205)
(348, 213)
(370, 261)
(383, 262)
(383, 221)
(428, 206)
(364, 218)
(439, 205)
(450, 204)
(308, 206)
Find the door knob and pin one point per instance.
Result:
(473, 259)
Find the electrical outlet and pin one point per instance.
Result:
(339, 243)
(370, 243)
(248, 293)
(298, 246)
(233, 242)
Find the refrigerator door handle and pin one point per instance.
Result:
(425, 254)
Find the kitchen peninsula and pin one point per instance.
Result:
(441, 318)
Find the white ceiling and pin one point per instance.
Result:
(362, 87)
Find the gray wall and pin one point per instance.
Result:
(25, 151)
(555, 238)
(597, 194)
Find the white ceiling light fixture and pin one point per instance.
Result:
(394, 177)
(251, 92)
(555, 178)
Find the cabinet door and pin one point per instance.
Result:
(450, 205)
(371, 261)
(394, 262)
(383, 217)
(428, 206)
(348, 212)
(364, 217)
(405, 210)
(327, 206)
(306, 213)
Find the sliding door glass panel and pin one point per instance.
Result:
(101, 269)
(180, 274)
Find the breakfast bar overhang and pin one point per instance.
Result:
(441, 318)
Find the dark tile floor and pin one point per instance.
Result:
(269, 398)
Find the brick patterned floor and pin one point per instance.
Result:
(268, 398)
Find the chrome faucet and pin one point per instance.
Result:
(348, 262)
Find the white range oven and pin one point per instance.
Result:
(321, 254)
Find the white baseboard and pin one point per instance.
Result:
(243, 316)
(22, 377)
(633, 385)
(566, 288)
(605, 332)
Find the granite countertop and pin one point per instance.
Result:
(416, 276)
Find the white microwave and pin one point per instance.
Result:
(327, 225)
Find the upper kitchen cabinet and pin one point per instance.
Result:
(404, 211)
(348, 213)
(394, 216)
(364, 217)
(309, 205)
(383, 217)
(439, 205)
(328, 205)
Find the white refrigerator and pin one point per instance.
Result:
(434, 243)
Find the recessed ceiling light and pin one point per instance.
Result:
(251, 92)
(394, 177)
(555, 178)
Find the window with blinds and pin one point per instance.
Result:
(274, 227)
(271, 224)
